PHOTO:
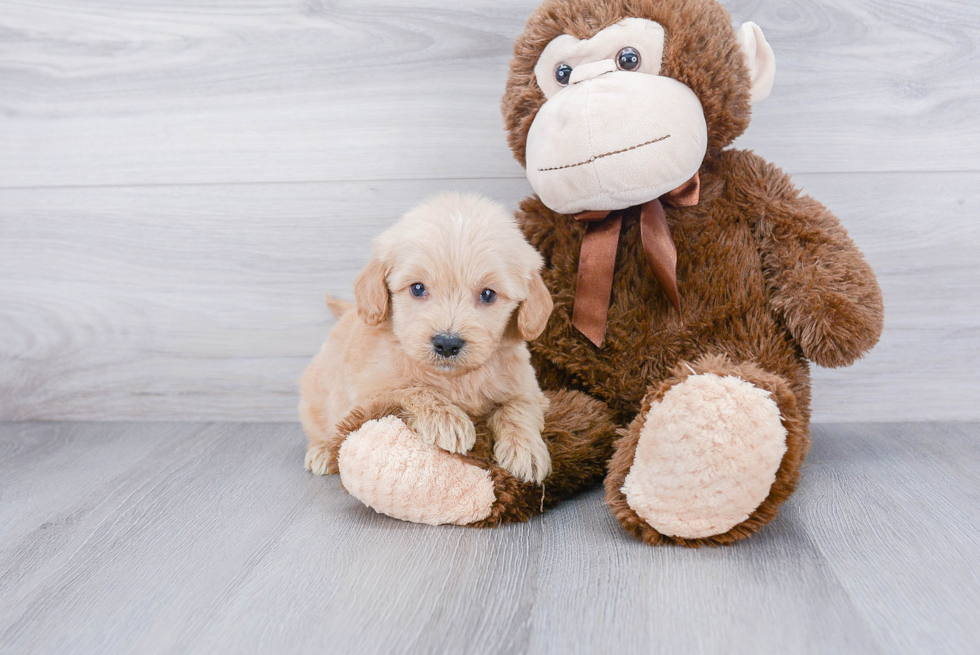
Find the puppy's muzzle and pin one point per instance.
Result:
(447, 345)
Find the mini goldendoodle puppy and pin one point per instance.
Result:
(444, 308)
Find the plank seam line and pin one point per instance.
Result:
(44, 187)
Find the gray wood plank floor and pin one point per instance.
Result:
(201, 538)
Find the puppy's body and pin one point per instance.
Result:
(457, 248)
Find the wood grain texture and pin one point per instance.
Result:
(198, 302)
(112, 92)
(181, 182)
(198, 538)
(206, 302)
(771, 594)
(896, 510)
(162, 255)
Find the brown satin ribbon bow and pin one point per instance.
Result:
(597, 260)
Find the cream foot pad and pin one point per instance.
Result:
(707, 456)
(388, 468)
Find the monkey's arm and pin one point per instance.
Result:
(817, 278)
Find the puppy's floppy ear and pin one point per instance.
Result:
(532, 316)
(371, 292)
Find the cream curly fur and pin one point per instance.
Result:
(457, 246)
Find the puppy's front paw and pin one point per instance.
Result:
(445, 426)
(524, 455)
(318, 460)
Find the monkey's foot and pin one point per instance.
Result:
(386, 466)
(707, 456)
(710, 458)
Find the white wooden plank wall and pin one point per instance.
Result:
(181, 181)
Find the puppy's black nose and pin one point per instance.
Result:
(447, 345)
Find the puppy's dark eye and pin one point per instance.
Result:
(488, 296)
(628, 59)
(417, 289)
(563, 73)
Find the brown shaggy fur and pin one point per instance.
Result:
(768, 278)
(749, 290)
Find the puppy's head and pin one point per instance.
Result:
(456, 280)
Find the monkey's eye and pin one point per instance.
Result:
(563, 73)
(488, 296)
(417, 289)
(628, 59)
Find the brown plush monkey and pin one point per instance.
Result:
(692, 282)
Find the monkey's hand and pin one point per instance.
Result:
(818, 280)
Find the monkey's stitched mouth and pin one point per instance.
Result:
(608, 154)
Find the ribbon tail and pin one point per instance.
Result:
(593, 290)
(660, 249)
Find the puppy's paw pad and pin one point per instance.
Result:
(318, 460)
(387, 467)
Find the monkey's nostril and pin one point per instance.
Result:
(447, 345)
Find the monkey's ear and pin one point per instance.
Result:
(371, 292)
(760, 58)
(533, 314)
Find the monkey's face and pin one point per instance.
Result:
(613, 133)
(613, 103)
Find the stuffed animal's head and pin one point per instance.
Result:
(613, 103)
